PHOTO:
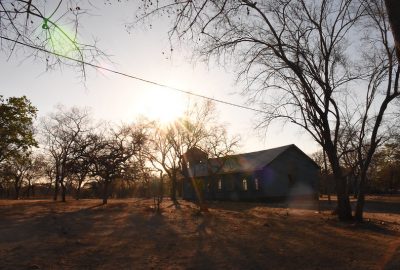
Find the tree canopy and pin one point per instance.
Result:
(16, 125)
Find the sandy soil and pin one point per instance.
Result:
(127, 234)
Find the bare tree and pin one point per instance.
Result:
(60, 133)
(393, 12)
(18, 169)
(382, 89)
(169, 143)
(48, 171)
(197, 128)
(79, 167)
(113, 156)
(325, 185)
(218, 145)
(35, 172)
(47, 30)
(300, 61)
(163, 155)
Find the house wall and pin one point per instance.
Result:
(233, 188)
(188, 192)
(291, 174)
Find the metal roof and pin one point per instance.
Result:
(246, 162)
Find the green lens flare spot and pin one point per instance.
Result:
(45, 26)
(62, 41)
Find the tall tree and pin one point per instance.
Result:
(16, 126)
(162, 155)
(393, 11)
(79, 167)
(382, 77)
(299, 60)
(198, 127)
(61, 131)
(18, 169)
(35, 171)
(113, 156)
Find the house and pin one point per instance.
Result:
(275, 173)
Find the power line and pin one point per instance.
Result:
(132, 76)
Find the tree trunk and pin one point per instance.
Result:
(328, 191)
(359, 212)
(173, 188)
(49, 186)
(343, 201)
(160, 192)
(56, 187)
(105, 191)
(344, 207)
(28, 192)
(17, 189)
(63, 191)
(391, 183)
(78, 192)
(393, 11)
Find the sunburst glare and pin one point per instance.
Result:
(162, 104)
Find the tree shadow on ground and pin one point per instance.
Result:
(41, 234)
(245, 206)
(127, 235)
(372, 205)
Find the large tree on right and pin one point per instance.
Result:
(326, 66)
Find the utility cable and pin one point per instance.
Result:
(132, 76)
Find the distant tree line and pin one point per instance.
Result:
(383, 175)
(68, 154)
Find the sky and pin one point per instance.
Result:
(144, 53)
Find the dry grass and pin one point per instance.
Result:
(126, 234)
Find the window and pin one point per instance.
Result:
(244, 184)
(219, 184)
(256, 184)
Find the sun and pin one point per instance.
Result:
(162, 104)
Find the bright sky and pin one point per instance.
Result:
(120, 99)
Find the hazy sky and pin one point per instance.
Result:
(120, 99)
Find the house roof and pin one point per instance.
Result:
(246, 162)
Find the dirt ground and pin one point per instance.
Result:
(127, 234)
